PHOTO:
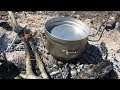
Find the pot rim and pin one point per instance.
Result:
(67, 19)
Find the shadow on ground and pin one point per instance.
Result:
(6, 26)
(8, 70)
(91, 55)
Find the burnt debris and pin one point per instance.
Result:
(90, 65)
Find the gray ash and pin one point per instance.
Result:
(80, 68)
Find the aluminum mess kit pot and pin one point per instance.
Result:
(66, 37)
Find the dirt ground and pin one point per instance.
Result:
(108, 45)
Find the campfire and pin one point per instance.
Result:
(24, 54)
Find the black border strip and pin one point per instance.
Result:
(85, 5)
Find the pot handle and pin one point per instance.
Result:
(69, 52)
(109, 14)
(95, 35)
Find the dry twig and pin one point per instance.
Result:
(39, 61)
(14, 22)
(29, 73)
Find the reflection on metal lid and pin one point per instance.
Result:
(68, 32)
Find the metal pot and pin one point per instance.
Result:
(66, 48)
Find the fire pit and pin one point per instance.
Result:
(90, 65)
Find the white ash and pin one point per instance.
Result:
(73, 73)
(54, 72)
(72, 66)
(65, 71)
(88, 22)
